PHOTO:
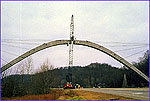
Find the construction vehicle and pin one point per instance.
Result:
(77, 86)
(68, 85)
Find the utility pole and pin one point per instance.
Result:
(71, 42)
(124, 85)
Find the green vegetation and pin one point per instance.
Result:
(75, 98)
(95, 74)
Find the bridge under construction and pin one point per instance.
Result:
(72, 42)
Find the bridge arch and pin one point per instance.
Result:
(76, 42)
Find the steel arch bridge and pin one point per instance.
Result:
(76, 42)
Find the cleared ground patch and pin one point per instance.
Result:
(60, 94)
(89, 95)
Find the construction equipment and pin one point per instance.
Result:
(69, 76)
(71, 42)
(69, 82)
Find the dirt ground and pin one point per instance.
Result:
(61, 94)
(53, 95)
(88, 95)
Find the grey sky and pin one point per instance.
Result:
(98, 22)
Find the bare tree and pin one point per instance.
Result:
(25, 67)
(44, 77)
(29, 65)
(21, 68)
(46, 66)
(6, 73)
(3, 74)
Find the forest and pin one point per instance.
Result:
(100, 75)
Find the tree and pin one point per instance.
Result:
(29, 65)
(143, 65)
(44, 78)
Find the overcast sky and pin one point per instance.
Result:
(100, 22)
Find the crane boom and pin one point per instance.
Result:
(71, 42)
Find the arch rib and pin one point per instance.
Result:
(76, 42)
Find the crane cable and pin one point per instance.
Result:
(4, 60)
(10, 53)
(134, 54)
(16, 46)
(129, 48)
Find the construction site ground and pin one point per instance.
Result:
(74, 94)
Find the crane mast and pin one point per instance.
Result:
(71, 42)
